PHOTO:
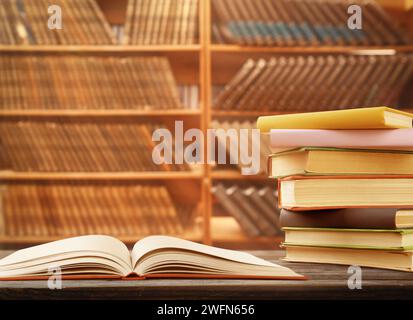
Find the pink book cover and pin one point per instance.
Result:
(382, 138)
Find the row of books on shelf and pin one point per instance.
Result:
(301, 23)
(296, 83)
(114, 146)
(79, 82)
(63, 146)
(77, 208)
(151, 22)
(253, 207)
(148, 22)
(306, 83)
(70, 208)
(345, 185)
(282, 83)
(27, 22)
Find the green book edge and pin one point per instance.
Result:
(401, 231)
(303, 149)
(343, 246)
(308, 173)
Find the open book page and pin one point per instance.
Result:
(210, 259)
(92, 254)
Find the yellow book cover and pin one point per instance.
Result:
(361, 118)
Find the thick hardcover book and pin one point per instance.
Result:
(360, 118)
(340, 161)
(349, 218)
(282, 138)
(375, 258)
(378, 239)
(331, 192)
(96, 256)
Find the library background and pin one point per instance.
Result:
(78, 107)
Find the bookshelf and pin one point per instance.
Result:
(184, 187)
(99, 48)
(125, 176)
(222, 61)
(203, 64)
(234, 175)
(101, 113)
(215, 48)
(227, 232)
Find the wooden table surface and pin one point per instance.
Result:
(326, 282)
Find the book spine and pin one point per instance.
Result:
(341, 218)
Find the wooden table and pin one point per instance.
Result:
(326, 282)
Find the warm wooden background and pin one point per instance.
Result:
(203, 64)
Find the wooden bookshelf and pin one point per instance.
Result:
(191, 64)
(195, 48)
(234, 175)
(256, 114)
(101, 113)
(246, 113)
(184, 187)
(227, 232)
(17, 242)
(125, 176)
(221, 60)
(216, 48)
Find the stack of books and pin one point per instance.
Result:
(345, 182)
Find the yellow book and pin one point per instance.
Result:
(362, 118)
(339, 161)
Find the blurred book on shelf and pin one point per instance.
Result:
(150, 22)
(85, 82)
(316, 82)
(253, 207)
(189, 96)
(26, 22)
(118, 31)
(302, 23)
(230, 142)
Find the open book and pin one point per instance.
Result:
(98, 256)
